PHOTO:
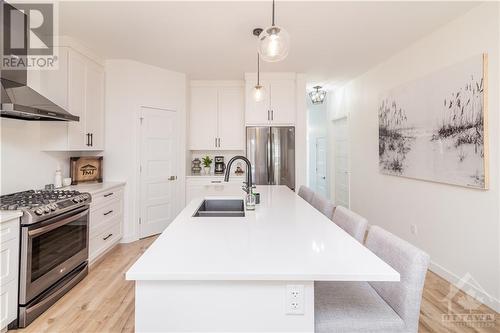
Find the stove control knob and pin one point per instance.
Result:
(53, 207)
(38, 211)
(75, 199)
(46, 209)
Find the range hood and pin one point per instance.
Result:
(18, 99)
(22, 102)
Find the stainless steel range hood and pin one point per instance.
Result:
(18, 99)
(22, 102)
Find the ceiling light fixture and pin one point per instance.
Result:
(274, 42)
(258, 91)
(317, 96)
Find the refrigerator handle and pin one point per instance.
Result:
(268, 157)
(270, 172)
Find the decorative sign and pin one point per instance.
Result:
(86, 169)
(436, 128)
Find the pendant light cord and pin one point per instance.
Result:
(273, 14)
(258, 69)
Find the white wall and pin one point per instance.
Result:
(23, 165)
(458, 227)
(301, 132)
(317, 127)
(130, 85)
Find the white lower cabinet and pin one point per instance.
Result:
(106, 221)
(212, 186)
(9, 271)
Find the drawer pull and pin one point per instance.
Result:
(216, 181)
(108, 213)
(107, 195)
(105, 238)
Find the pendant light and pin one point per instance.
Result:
(317, 96)
(274, 42)
(258, 91)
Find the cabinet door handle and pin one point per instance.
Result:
(268, 115)
(216, 181)
(172, 178)
(104, 238)
(215, 142)
(272, 114)
(107, 195)
(218, 139)
(88, 139)
(108, 212)
(91, 139)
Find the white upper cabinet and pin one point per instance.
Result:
(279, 104)
(216, 116)
(94, 106)
(257, 113)
(231, 127)
(203, 118)
(77, 86)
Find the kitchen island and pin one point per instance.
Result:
(246, 274)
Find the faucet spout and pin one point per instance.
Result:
(249, 171)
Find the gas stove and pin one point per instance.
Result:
(41, 205)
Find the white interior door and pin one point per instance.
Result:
(341, 154)
(321, 168)
(158, 174)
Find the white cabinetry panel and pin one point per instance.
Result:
(78, 86)
(230, 117)
(203, 118)
(216, 116)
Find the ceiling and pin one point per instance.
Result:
(330, 41)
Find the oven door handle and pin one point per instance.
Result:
(42, 230)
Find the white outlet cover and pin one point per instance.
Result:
(294, 299)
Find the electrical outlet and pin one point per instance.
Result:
(413, 229)
(294, 299)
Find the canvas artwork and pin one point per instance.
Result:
(434, 128)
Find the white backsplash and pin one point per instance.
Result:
(228, 154)
(23, 165)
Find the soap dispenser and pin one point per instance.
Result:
(58, 177)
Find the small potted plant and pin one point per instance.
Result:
(207, 162)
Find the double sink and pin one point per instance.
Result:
(221, 208)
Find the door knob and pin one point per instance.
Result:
(172, 178)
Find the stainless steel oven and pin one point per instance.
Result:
(54, 254)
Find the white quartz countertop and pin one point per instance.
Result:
(285, 238)
(94, 187)
(7, 215)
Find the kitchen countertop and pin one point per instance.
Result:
(7, 215)
(285, 238)
(94, 187)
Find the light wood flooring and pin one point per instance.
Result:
(104, 301)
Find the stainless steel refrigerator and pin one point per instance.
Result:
(271, 150)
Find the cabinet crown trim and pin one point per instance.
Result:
(271, 76)
(215, 83)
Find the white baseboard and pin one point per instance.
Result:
(128, 239)
(480, 294)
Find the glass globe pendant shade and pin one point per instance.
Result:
(274, 44)
(259, 93)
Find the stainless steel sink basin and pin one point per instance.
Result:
(221, 208)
